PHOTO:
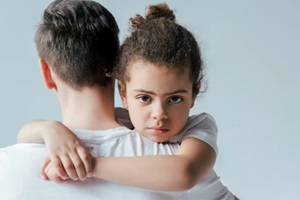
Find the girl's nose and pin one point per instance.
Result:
(159, 112)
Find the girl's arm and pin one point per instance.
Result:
(193, 160)
(68, 154)
(34, 131)
(181, 171)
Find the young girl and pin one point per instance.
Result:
(160, 73)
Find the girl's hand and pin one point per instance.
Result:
(54, 174)
(68, 156)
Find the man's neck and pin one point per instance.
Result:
(89, 108)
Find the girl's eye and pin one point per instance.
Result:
(176, 99)
(144, 99)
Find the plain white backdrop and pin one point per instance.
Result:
(251, 52)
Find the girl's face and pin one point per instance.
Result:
(158, 100)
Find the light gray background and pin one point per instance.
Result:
(251, 50)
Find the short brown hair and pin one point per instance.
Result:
(79, 41)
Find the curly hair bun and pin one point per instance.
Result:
(160, 11)
(156, 11)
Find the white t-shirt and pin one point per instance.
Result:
(20, 176)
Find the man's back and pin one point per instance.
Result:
(20, 176)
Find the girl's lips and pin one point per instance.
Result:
(157, 130)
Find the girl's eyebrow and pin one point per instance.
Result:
(171, 93)
(143, 91)
(177, 92)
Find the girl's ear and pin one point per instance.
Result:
(47, 76)
(122, 92)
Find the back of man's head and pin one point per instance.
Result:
(78, 39)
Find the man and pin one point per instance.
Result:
(77, 43)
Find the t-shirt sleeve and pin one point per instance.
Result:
(202, 127)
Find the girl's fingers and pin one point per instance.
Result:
(45, 168)
(86, 160)
(78, 166)
(57, 166)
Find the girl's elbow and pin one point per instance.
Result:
(187, 181)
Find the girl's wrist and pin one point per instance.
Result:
(49, 128)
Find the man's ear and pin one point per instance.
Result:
(47, 76)
(122, 92)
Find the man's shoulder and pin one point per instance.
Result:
(22, 146)
(22, 151)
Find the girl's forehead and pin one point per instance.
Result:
(138, 65)
(148, 75)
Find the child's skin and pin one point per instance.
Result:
(158, 99)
